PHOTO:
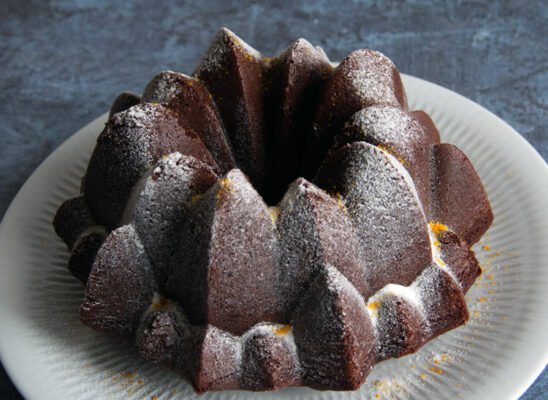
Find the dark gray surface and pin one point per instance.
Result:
(63, 62)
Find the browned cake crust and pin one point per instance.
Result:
(274, 222)
(233, 74)
(71, 219)
(313, 230)
(364, 78)
(83, 254)
(269, 362)
(195, 110)
(427, 125)
(160, 210)
(400, 330)
(292, 79)
(459, 258)
(443, 301)
(234, 240)
(375, 189)
(124, 101)
(333, 333)
(397, 132)
(120, 285)
(159, 338)
(132, 142)
(458, 196)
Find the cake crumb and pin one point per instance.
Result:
(440, 358)
(225, 187)
(282, 330)
(274, 213)
(195, 198)
(373, 307)
(392, 151)
(436, 370)
(159, 304)
(437, 227)
(337, 196)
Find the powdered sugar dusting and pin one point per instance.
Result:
(384, 206)
(140, 115)
(407, 178)
(386, 124)
(259, 329)
(382, 183)
(136, 123)
(270, 329)
(247, 49)
(435, 245)
(226, 346)
(123, 241)
(163, 87)
(127, 215)
(302, 51)
(372, 78)
(340, 283)
(409, 293)
(225, 338)
(159, 205)
(437, 258)
(424, 284)
(427, 287)
(215, 56)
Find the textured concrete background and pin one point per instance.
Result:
(62, 62)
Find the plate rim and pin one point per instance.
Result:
(17, 374)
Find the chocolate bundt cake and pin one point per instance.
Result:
(273, 222)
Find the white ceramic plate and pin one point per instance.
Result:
(498, 354)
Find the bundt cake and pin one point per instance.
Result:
(273, 222)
